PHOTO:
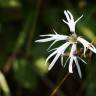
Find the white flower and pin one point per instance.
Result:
(70, 40)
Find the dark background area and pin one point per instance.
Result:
(22, 61)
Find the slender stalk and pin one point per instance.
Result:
(57, 87)
(32, 31)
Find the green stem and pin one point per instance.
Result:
(32, 31)
(57, 87)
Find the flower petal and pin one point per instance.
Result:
(67, 15)
(60, 50)
(71, 16)
(53, 37)
(63, 47)
(73, 50)
(52, 49)
(62, 59)
(54, 31)
(52, 44)
(54, 61)
(47, 35)
(82, 60)
(86, 44)
(70, 65)
(71, 56)
(65, 21)
(45, 40)
(78, 67)
(78, 18)
(52, 54)
(70, 20)
(66, 62)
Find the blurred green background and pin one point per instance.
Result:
(23, 71)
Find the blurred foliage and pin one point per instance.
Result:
(41, 67)
(3, 85)
(9, 3)
(26, 76)
(22, 61)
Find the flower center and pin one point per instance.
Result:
(73, 38)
